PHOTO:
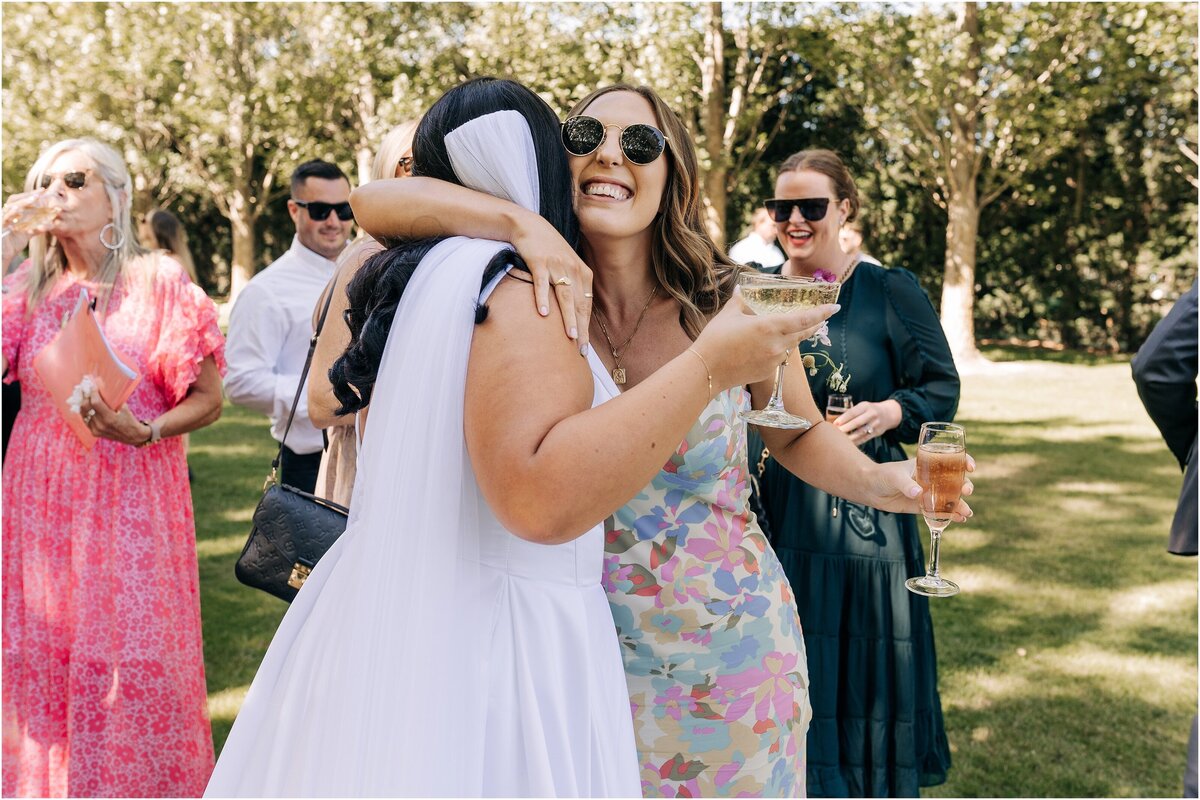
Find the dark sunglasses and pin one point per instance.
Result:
(72, 180)
(318, 211)
(640, 143)
(812, 209)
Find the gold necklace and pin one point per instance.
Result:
(618, 372)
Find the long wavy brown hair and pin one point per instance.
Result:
(687, 263)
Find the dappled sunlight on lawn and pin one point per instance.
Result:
(222, 546)
(1146, 604)
(223, 705)
(1165, 680)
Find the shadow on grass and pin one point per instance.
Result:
(230, 461)
(995, 754)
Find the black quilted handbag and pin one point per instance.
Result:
(291, 529)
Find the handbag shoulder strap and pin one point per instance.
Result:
(312, 346)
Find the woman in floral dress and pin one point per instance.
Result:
(104, 691)
(714, 657)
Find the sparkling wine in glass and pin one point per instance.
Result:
(941, 471)
(777, 294)
(31, 217)
(836, 405)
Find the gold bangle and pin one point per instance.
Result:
(707, 372)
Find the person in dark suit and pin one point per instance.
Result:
(1164, 370)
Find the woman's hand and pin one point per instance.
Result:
(741, 347)
(893, 489)
(556, 267)
(865, 421)
(120, 426)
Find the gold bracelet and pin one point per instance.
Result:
(707, 372)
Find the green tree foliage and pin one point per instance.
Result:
(1031, 163)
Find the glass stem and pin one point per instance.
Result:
(776, 401)
(935, 551)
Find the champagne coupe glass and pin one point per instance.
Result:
(776, 294)
(836, 405)
(941, 471)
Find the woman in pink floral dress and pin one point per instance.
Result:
(104, 691)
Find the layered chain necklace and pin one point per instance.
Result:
(618, 372)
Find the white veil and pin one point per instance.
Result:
(375, 684)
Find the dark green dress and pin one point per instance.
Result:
(877, 727)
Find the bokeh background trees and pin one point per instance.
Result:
(1034, 164)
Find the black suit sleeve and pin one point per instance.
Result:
(1164, 370)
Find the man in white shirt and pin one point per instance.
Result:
(850, 237)
(271, 323)
(759, 247)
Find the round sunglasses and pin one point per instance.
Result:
(812, 209)
(640, 143)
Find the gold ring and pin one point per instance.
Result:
(563, 281)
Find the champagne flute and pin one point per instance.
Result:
(776, 294)
(836, 405)
(941, 471)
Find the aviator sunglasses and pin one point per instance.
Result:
(318, 211)
(640, 143)
(76, 179)
(812, 209)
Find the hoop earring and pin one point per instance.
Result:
(117, 231)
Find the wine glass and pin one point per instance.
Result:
(776, 294)
(836, 405)
(941, 471)
(28, 218)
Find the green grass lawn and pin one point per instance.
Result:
(1068, 663)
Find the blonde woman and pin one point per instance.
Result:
(104, 691)
(335, 480)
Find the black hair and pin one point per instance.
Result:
(316, 168)
(376, 289)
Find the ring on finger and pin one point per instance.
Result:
(88, 416)
(563, 281)
(870, 431)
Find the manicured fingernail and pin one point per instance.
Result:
(574, 333)
(836, 308)
(543, 310)
(913, 491)
(583, 351)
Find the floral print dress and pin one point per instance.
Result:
(104, 692)
(714, 656)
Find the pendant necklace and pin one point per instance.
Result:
(618, 372)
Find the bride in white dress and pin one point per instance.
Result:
(456, 640)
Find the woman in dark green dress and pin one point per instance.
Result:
(877, 727)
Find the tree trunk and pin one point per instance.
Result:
(712, 88)
(958, 286)
(245, 242)
(364, 158)
(962, 200)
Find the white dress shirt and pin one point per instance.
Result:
(269, 331)
(755, 248)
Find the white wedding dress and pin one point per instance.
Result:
(431, 652)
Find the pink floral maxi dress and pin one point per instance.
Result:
(714, 656)
(104, 691)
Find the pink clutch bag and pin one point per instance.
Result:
(80, 349)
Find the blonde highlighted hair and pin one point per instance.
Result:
(392, 149)
(45, 251)
(688, 265)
